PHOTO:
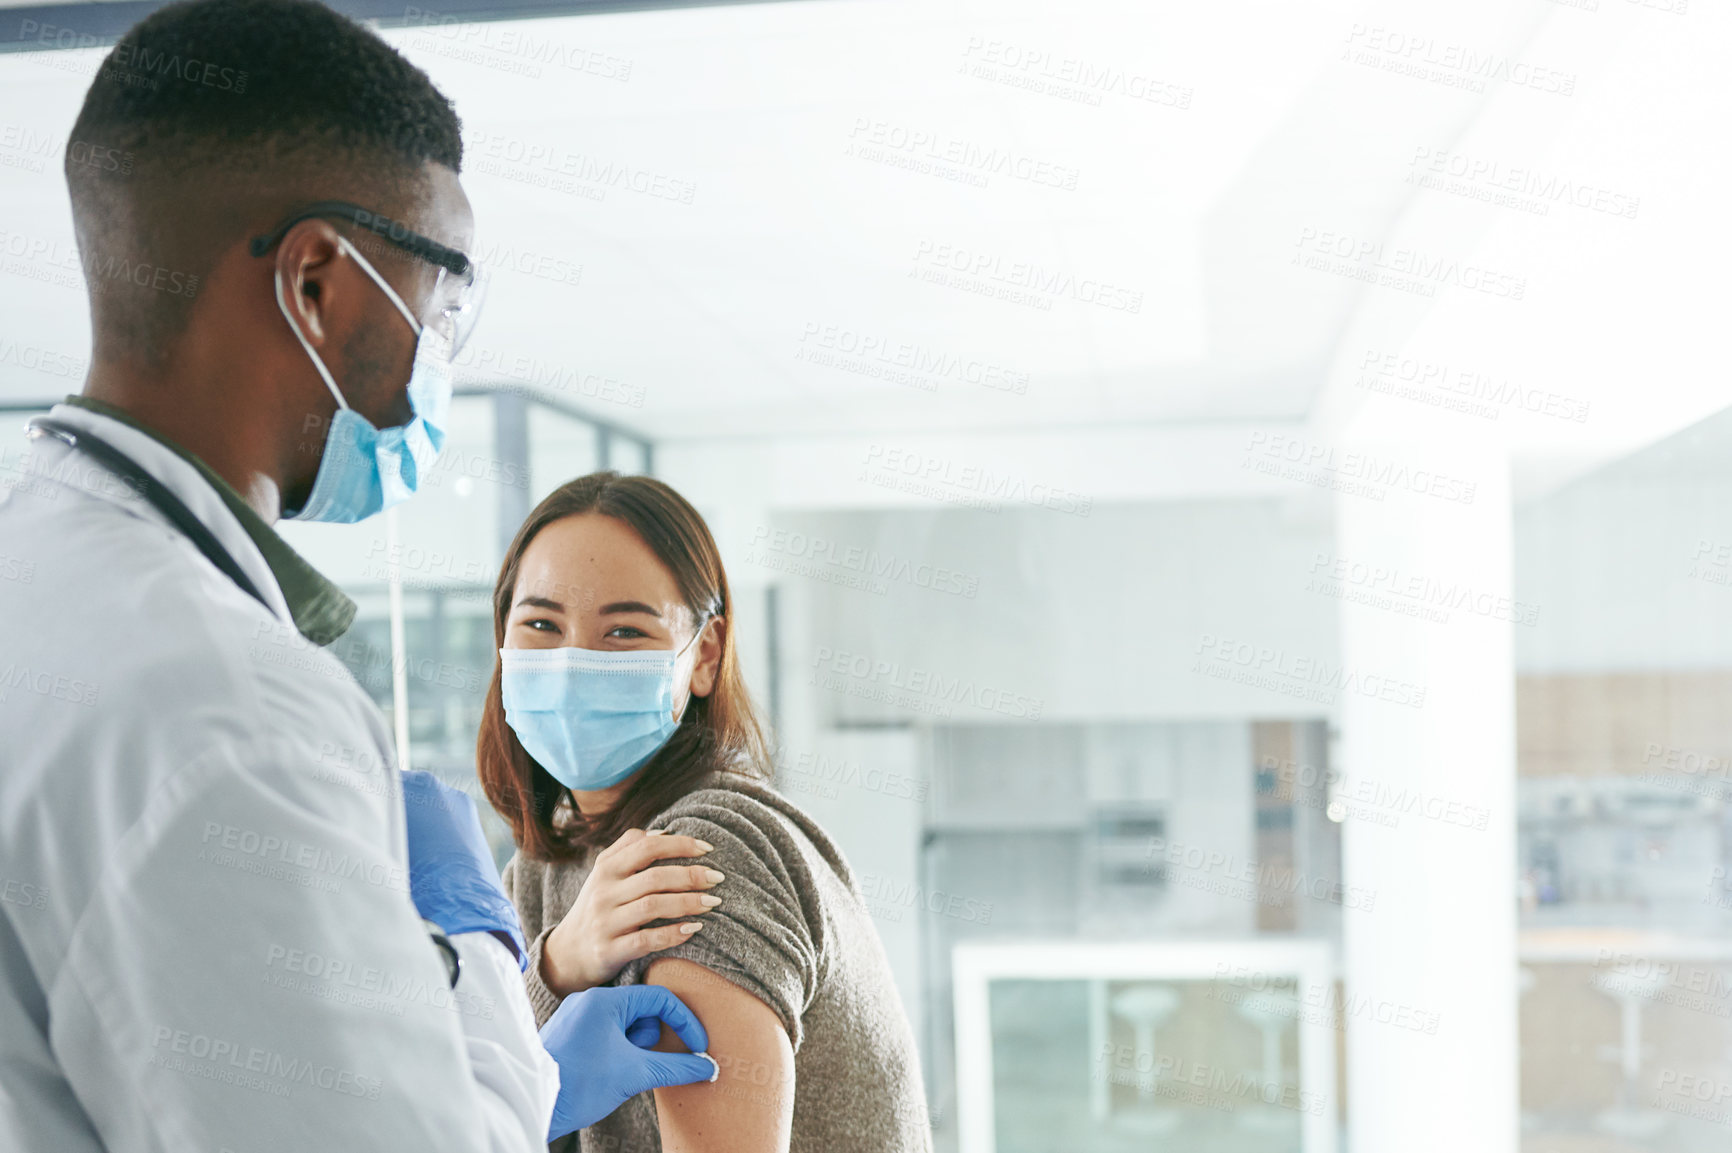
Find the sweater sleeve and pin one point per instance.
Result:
(541, 999)
(524, 892)
(767, 935)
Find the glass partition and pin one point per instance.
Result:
(1227, 1045)
(507, 450)
(1625, 831)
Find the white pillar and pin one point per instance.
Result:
(1433, 941)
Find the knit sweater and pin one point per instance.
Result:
(793, 930)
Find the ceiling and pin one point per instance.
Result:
(833, 218)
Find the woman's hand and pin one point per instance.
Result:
(605, 927)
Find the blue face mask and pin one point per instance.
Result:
(590, 718)
(365, 469)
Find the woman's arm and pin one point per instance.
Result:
(750, 1107)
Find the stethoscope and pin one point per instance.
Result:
(150, 489)
(175, 509)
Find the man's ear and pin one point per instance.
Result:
(709, 659)
(306, 260)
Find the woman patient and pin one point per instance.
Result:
(619, 742)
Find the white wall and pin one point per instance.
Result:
(1071, 618)
(1631, 567)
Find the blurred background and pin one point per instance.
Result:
(1228, 509)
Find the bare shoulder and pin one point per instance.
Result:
(749, 1108)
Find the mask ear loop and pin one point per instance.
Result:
(324, 373)
(703, 622)
(367, 267)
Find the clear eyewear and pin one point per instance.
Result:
(459, 291)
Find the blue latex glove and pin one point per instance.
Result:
(452, 878)
(601, 1040)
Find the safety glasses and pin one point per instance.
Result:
(458, 292)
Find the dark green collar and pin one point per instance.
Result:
(320, 610)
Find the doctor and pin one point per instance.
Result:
(226, 923)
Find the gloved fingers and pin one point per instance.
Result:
(454, 896)
(655, 1001)
(644, 1032)
(661, 1070)
(417, 784)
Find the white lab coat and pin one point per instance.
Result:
(206, 936)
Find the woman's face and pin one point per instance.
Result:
(590, 582)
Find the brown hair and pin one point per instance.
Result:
(719, 732)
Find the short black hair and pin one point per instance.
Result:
(210, 115)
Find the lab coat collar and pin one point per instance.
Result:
(206, 501)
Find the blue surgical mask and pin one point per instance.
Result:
(365, 469)
(590, 718)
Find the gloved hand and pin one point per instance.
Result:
(601, 1040)
(452, 878)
